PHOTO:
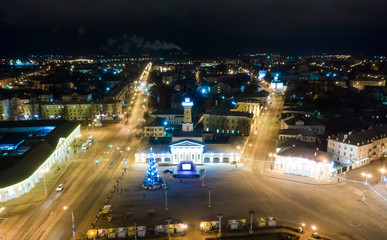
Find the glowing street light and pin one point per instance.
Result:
(251, 221)
(72, 219)
(314, 234)
(366, 175)
(220, 215)
(382, 170)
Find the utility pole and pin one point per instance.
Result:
(209, 197)
(166, 200)
(220, 215)
(251, 221)
(168, 219)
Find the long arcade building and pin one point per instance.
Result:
(28, 150)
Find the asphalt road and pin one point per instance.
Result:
(87, 184)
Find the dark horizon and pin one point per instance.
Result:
(204, 29)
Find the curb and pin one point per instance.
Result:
(291, 180)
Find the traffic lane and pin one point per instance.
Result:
(96, 192)
(70, 177)
(77, 169)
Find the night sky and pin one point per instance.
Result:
(203, 28)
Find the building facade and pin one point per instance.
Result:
(73, 110)
(307, 124)
(248, 105)
(226, 122)
(357, 148)
(172, 116)
(305, 162)
(190, 150)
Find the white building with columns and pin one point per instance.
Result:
(190, 150)
(305, 162)
(41, 154)
(187, 145)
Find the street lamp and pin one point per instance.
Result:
(166, 200)
(366, 175)
(220, 215)
(271, 162)
(382, 170)
(135, 229)
(209, 197)
(73, 220)
(168, 219)
(251, 221)
(301, 229)
(314, 234)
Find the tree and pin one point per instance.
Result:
(152, 178)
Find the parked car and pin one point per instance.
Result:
(60, 188)
(168, 171)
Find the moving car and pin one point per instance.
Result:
(60, 188)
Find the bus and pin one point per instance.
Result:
(86, 145)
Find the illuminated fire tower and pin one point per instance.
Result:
(187, 122)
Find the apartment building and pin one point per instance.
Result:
(357, 148)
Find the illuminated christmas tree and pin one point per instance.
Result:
(152, 178)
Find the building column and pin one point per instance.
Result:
(27, 188)
(16, 189)
(3, 197)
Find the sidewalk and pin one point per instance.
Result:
(299, 179)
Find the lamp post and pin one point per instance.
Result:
(314, 234)
(271, 163)
(382, 170)
(220, 215)
(366, 175)
(166, 200)
(251, 221)
(73, 220)
(209, 197)
(135, 229)
(168, 219)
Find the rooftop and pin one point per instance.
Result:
(290, 142)
(306, 153)
(294, 131)
(15, 169)
(168, 111)
(221, 110)
(362, 137)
